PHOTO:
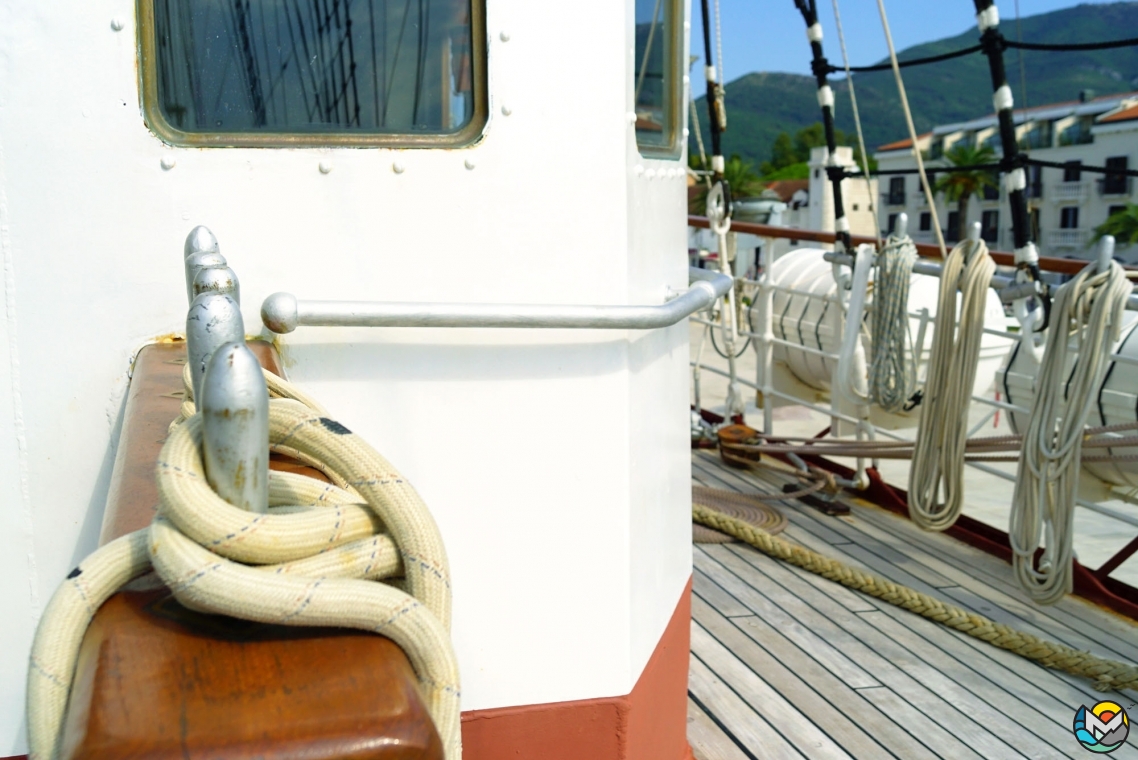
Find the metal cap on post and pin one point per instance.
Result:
(200, 250)
(217, 279)
(213, 321)
(235, 427)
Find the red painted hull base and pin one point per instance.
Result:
(650, 723)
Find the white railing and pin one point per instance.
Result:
(1067, 238)
(1069, 191)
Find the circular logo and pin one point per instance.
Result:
(1102, 728)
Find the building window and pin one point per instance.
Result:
(891, 225)
(926, 221)
(262, 73)
(1072, 171)
(1114, 210)
(1069, 217)
(992, 192)
(1034, 182)
(1033, 223)
(1116, 184)
(897, 191)
(953, 226)
(990, 226)
(656, 80)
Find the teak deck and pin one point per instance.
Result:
(789, 665)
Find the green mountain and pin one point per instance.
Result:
(760, 105)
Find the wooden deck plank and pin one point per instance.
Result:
(891, 703)
(820, 641)
(1052, 702)
(1078, 630)
(736, 716)
(861, 643)
(707, 739)
(723, 603)
(788, 718)
(839, 710)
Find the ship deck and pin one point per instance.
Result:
(785, 664)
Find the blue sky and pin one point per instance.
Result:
(769, 35)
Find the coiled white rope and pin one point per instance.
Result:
(893, 369)
(938, 455)
(311, 561)
(1087, 310)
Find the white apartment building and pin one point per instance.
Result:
(1064, 205)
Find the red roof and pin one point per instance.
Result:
(901, 144)
(1124, 115)
(786, 188)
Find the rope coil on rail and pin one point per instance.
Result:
(942, 432)
(1107, 674)
(893, 368)
(311, 561)
(1047, 479)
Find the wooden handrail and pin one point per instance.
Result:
(1063, 266)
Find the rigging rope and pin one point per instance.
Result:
(911, 61)
(1047, 480)
(311, 561)
(1107, 674)
(857, 121)
(942, 433)
(912, 129)
(893, 367)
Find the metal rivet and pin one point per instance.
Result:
(325, 167)
(168, 162)
(650, 174)
(506, 110)
(117, 24)
(687, 80)
(638, 170)
(632, 117)
(504, 36)
(398, 167)
(469, 163)
(686, 133)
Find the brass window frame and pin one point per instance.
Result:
(156, 122)
(674, 151)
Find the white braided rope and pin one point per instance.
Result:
(893, 369)
(1088, 311)
(311, 561)
(938, 456)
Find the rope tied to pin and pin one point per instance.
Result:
(365, 554)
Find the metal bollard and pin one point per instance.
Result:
(201, 250)
(235, 427)
(217, 279)
(213, 321)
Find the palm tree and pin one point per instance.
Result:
(960, 186)
(1123, 225)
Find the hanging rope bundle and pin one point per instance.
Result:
(893, 368)
(938, 456)
(312, 560)
(1107, 674)
(1089, 310)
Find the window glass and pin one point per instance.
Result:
(362, 67)
(656, 85)
(1069, 217)
(926, 221)
(990, 226)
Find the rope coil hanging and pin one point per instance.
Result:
(942, 432)
(1089, 309)
(893, 367)
(313, 560)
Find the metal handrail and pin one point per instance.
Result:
(283, 312)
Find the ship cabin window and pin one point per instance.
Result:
(314, 72)
(657, 79)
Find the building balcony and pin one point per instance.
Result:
(919, 199)
(1069, 191)
(1070, 238)
(893, 199)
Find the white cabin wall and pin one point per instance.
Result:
(658, 385)
(560, 488)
